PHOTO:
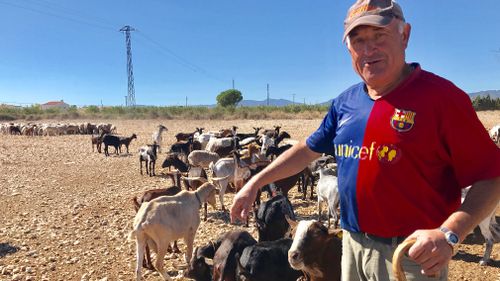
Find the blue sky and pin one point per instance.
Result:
(72, 50)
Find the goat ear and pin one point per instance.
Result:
(336, 232)
(293, 224)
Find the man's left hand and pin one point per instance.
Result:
(430, 250)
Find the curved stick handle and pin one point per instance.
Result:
(397, 268)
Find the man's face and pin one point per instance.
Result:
(378, 53)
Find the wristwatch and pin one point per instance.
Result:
(451, 237)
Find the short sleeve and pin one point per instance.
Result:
(321, 141)
(474, 156)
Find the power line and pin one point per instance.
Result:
(78, 13)
(182, 61)
(55, 15)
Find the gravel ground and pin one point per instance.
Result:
(66, 211)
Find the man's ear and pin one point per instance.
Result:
(406, 34)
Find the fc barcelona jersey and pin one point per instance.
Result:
(403, 159)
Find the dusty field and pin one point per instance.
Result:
(65, 211)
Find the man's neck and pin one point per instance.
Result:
(376, 93)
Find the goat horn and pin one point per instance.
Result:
(194, 179)
(220, 178)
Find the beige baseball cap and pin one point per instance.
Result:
(371, 12)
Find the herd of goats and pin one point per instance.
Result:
(285, 249)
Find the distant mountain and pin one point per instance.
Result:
(283, 102)
(494, 94)
(272, 102)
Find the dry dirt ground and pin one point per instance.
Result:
(65, 211)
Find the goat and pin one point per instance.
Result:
(223, 146)
(272, 133)
(328, 192)
(495, 133)
(111, 140)
(149, 155)
(167, 218)
(156, 137)
(14, 130)
(224, 261)
(97, 141)
(186, 136)
(204, 138)
(266, 261)
(270, 218)
(104, 128)
(147, 196)
(229, 167)
(316, 251)
(202, 158)
(185, 148)
(314, 166)
(277, 151)
(126, 141)
(254, 134)
(172, 159)
(228, 132)
(281, 136)
(196, 176)
(489, 229)
(198, 269)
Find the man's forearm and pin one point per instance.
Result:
(480, 201)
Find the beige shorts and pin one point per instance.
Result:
(366, 259)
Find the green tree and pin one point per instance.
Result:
(229, 97)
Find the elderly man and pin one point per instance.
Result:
(406, 142)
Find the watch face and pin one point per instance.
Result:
(453, 238)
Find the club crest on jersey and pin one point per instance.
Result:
(403, 120)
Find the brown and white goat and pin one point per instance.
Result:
(315, 250)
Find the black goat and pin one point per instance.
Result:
(126, 141)
(173, 160)
(111, 140)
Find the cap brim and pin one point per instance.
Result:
(371, 20)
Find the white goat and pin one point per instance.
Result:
(168, 218)
(204, 138)
(328, 192)
(215, 143)
(229, 167)
(156, 137)
(202, 158)
(489, 229)
(495, 133)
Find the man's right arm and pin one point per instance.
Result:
(289, 163)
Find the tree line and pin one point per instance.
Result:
(481, 103)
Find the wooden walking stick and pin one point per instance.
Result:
(397, 268)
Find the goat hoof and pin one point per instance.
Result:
(483, 262)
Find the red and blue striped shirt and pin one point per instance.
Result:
(404, 158)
